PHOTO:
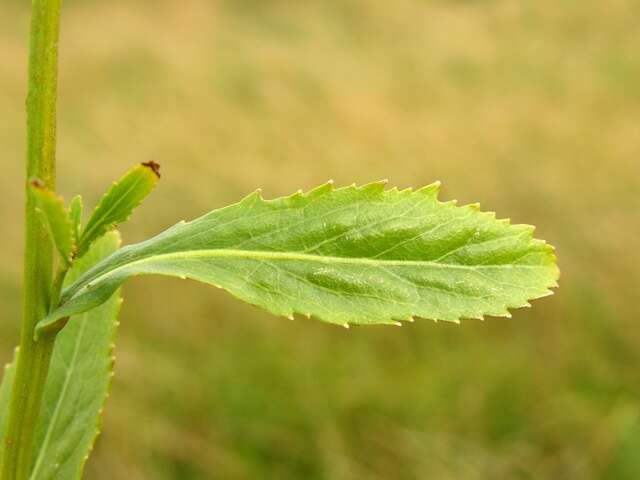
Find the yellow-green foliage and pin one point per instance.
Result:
(531, 106)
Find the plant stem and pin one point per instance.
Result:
(34, 356)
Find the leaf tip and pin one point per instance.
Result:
(153, 166)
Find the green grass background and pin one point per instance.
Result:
(531, 107)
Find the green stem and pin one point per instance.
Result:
(34, 356)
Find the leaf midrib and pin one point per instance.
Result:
(266, 255)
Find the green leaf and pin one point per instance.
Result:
(352, 255)
(5, 395)
(78, 382)
(75, 214)
(119, 202)
(56, 219)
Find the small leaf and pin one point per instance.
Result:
(119, 202)
(56, 220)
(75, 214)
(5, 395)
(353, 255)
(78, 382)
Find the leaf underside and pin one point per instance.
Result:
(78, 382)
(354, 255)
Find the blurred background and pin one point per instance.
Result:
(531, 107)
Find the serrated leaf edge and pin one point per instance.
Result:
(111, 371)
(431, 190)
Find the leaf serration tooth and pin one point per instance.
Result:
(375, 187)
(432, 190)
(320, 190)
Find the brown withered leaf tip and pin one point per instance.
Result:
(155, 167)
